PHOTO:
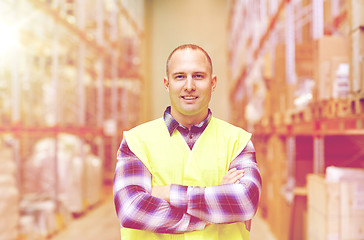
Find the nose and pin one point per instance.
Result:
(190, 84)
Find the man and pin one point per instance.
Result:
(187, 175)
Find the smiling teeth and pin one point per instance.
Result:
(189, 98)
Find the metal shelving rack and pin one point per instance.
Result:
(76, 69)
(248, 46)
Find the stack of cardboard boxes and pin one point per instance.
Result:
(330, 52)
(281, 93)
(335, 63)
(336, 204)
(9, 198)
(275, 177)
(356, 19)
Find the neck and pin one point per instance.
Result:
(189, 120)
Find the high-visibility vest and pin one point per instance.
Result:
(171, 161)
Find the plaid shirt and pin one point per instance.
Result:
(190, 208)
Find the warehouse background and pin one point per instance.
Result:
(74, 74)
(173, 23)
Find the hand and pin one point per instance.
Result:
(232, 176)
(161, 192)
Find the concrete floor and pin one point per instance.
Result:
(260, 229)
(99, 223)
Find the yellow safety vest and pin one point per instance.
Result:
(170, 161)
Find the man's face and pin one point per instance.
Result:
(190, 84)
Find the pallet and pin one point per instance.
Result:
(323, 109)
(287, 117)
(302, 115)
(333, 108)
(266, 121)
(278, 118)
(342, 107)
(357, 104)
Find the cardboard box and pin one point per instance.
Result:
(279, 211)
(283, 92)
(355, 13)
(325, 50)
(307, 28)
(357, 60)
(276, 97)
(304, 59)
(280, 64)
(335, 209)
(290, 90)
(340, 87)
(267, 67)
(323, 209)
(352, 210)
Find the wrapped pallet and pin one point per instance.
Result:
(38, 219)
(39, 179)
(9, 197)
(94, 181)
(79, 172)
(75, 192)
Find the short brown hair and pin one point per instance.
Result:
(188, 46)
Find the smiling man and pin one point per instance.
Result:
(190, 83)
(187, 175)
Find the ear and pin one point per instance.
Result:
(166, 84)
(213, 82)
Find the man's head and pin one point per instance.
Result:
(189, 83)
(188, 46)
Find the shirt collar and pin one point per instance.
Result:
(172, 123)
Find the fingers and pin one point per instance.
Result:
(236, 175)
(232, 176)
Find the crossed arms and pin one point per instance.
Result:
(176, 208)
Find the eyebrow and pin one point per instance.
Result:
(197, 72)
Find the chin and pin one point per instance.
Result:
(191, 112)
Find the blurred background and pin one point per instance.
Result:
(75, 73)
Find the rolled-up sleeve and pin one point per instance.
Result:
(224, 203)
(136, 208)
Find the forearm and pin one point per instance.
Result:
(136, 208)
(219, 204)
(139, 210)
(224, 203)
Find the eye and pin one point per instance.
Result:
(179, 76)
(199, 76)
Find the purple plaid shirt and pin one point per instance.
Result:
(190, 208)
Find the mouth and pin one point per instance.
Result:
(189, 97)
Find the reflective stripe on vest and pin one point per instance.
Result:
(170, 161)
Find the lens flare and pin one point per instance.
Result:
(9, 37)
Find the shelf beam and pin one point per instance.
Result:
(350, 125)
(54, 14)
(129, 18)
(19, 129)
